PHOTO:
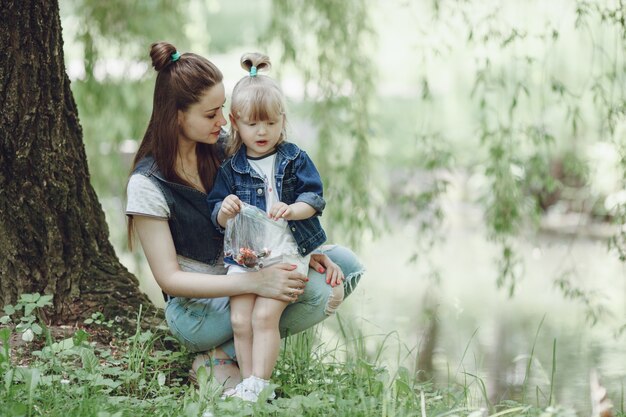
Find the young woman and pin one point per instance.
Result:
(174, 168)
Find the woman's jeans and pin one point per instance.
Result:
(202, 324)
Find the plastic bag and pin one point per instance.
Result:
(250, 237)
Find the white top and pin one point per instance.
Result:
(265, 168)
(144, 198)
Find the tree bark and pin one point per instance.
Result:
(53, 234)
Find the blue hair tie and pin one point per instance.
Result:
(175, 56)
(253, 71)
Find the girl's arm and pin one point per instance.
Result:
(309, 188)
(309, 191)
(222, 187)
(295, 211)
(278, 282)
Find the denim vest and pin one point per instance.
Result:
(296, 178)
(194, 235)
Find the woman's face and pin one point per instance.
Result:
(203, 120)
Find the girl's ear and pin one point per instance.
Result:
(283, 130)
(180, 118)
(233, 122)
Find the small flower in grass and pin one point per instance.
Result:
(64, 381)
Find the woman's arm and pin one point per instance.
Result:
(280, 282)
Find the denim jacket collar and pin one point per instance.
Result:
(240, 164)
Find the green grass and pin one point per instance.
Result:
(144, 374)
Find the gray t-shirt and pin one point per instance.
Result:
(144, 198)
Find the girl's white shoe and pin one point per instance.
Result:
(242, 392)
(256, 385)
(249, 389)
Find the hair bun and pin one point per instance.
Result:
(255, 59)
(161, 54)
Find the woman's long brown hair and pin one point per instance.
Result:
(179, 84)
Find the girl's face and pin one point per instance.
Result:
(203, 120)
(260, 137)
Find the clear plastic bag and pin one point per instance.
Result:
(250, 237)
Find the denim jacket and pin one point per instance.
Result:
(297, 180)
(194, 235)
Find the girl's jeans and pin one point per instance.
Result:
(204, 324)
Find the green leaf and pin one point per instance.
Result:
(36, 328)
(31, 377)
(63, 345)
(106, 382)
(9, 309)
(29, 298)
(28, 309)
(90, 362)
(44, 301)
(16, 409)
(8, 378)
(5, 334)
(80, 336)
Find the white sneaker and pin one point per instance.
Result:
(242, 392)
(256, 385)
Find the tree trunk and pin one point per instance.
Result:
(53, 234)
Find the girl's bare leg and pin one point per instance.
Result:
(266, 345)
(241, 309)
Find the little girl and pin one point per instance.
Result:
(278, 177)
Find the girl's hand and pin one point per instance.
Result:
(281, 282)
(280, 210)
(322, 263)
(230, 206)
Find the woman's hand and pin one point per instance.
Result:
(281, 282)
(322, 263)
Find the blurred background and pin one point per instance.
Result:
(473, 154)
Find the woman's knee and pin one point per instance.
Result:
(336, 296)
(199, 324)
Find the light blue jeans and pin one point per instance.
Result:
(204, 324)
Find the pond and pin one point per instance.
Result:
(482, 333)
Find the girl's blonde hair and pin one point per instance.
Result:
(255, 97)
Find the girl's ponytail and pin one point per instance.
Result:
(255, 59)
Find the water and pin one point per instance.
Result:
(483, 332)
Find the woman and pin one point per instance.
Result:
(173, 170)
